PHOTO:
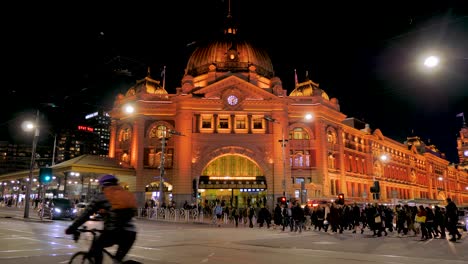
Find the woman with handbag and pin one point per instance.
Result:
(379, 219)
(421, 220)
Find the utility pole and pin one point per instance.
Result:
(31, 166)
(163, 159)
(161, 169)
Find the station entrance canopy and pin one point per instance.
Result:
(228, 182)
(86, 165)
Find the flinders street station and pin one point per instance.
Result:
(232, 132)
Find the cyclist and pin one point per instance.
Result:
(118, 208)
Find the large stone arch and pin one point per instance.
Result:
(231, 150)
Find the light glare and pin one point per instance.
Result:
(431, 61)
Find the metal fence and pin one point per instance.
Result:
(178, 215)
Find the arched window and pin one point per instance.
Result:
(301, 159)
(299, 133)
(330, 137)
(158, 131)
(125, 134)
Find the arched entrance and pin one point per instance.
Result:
(232, 179)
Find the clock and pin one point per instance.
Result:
(232, 100)
(465, 153)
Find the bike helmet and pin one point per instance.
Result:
(108, 180)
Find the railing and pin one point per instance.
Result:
(180, 215)
(171, 214)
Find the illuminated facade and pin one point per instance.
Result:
(462, 147)
(245, 139)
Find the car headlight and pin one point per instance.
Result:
(57, 210)
(74, 210)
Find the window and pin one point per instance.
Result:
(301, 158)
(257, 123)
(299, 133)
(125, 134)
(331, 138)
(223, 122)
(207, 121)
(300, 180)
(240, 123)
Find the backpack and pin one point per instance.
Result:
(119, 198)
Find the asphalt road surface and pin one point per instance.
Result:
(35, 241)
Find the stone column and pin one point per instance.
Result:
(136, 158)
(113, 138)
(182, 176)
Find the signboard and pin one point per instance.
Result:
(364, 194)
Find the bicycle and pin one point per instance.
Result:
(84, 257)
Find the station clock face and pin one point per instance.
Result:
(465, 153)
(232, 100)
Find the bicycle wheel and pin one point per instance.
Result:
(81, 257)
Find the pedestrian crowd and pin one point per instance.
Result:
(405, 220)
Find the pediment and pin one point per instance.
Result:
(234, 84)
(379, 134)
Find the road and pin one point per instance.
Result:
(35, 241)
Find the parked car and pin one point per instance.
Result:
(463, 219)
(80, 207)
(59, 208)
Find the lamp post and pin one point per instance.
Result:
(163, 159)
(31, 166)
(161, 169)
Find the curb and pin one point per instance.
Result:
(27, 219)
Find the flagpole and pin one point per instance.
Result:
(164, 78)
(296, 82)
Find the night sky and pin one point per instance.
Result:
(67, 60)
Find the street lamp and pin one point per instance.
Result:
(431, 61)
(435, 60)
(163, 158)
(30, 126)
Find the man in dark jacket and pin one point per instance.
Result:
(451, 212)
(298, 217)
(118, 208)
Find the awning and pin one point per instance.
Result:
(421, 201)
(207, 182)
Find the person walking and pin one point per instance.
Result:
(235, 215)
(451, 212)
(421, 218)
(218, 212)
(277, 217)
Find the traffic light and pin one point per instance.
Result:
(376, 187)
(282, 200)
(340, 199)
(194, 188)
(375, 190)
(45, 175)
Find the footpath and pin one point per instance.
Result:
(18, 213)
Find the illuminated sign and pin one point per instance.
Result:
(85, 128)
(231, 178)
(88, 116)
